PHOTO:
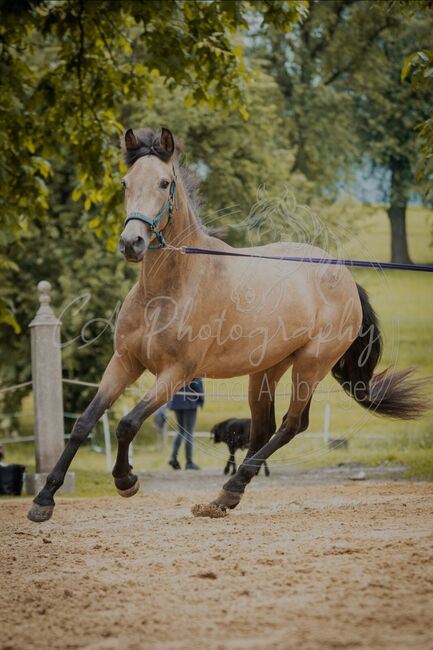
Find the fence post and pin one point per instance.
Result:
(107, 442)
(47, 392)
(326, 423)
(125, 411)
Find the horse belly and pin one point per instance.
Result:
(250, 345)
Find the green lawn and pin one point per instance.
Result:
(404, 304)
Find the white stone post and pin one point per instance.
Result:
(47, 393)
(326, 423)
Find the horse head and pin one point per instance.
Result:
(150, 186)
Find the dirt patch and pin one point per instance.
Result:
(334, 566)
(208, 510)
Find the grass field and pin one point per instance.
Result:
(404, 304)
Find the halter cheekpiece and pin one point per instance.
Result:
(153, 223)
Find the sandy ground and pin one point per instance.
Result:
(348, 565)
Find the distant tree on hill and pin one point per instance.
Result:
(340, 72)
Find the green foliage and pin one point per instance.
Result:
(236, 160)
(340, 74)
(387, 111)
(307, 64)
(70, 95)
(67, 68)
(419, 66)
(387, 108)
(88, 281)
(88, 287)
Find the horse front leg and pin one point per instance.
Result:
(120, 372)
(166, 385)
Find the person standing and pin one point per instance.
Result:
(185, 404)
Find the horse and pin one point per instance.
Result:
(214, 316)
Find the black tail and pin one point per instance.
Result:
(391, 392)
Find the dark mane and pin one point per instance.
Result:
(149, 145)
(191, 185)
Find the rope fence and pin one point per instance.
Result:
(16, 387)
(136, 389)
(324, 434)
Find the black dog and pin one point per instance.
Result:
(236, 434)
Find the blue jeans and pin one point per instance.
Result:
(185, 429)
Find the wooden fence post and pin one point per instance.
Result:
(47, 393)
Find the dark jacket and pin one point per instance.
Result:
(182, 402)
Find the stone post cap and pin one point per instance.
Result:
(44, 288)
(44, 315)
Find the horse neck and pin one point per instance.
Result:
(184, 228)
(162, 268)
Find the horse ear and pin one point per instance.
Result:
(131, 140)
(167, 141)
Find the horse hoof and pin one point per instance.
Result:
(129, 492)
(227, 499)
(39, 513)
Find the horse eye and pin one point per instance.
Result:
(164, 184)
(123, 183)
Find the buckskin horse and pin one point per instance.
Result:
(220, 317)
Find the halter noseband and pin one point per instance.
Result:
(153, 223)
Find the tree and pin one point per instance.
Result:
(325, 146)
(387, 110)
(418, 66)
(235, 156)
(88, 286)
(340, 73)
(236, 160)
(67, 67)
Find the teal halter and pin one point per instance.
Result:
(153, 223)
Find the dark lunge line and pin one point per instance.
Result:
(312, 260)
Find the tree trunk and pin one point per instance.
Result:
(397, 212)
(399, 248)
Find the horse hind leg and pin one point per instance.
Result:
(308, 371)
(261, 398)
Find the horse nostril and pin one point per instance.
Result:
(138, 245)
(133, 248)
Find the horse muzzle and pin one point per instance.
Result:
(132, 248)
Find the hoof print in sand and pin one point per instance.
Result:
(208, 510)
